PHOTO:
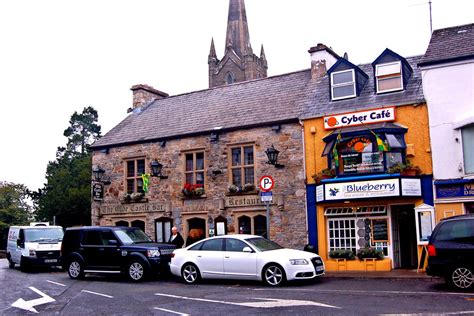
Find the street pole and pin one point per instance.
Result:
(267, 204)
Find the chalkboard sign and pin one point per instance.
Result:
(379, 230)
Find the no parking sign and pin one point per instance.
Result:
(266, 183)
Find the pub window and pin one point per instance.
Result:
(163, 229)
(138, 224)
(194, 170)
(242, 166)
(135, 169)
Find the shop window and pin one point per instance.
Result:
(134, 170)
(194, 169)
(389, 77)
(468, 148)
(242, 166)
(343, 84)
(342, 234)
(245, 226)
(163, 229)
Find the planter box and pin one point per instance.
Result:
(358, 265)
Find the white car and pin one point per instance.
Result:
(247, 257)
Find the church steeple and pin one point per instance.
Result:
(239, 62)
(237, 28)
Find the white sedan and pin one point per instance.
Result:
(244, 257)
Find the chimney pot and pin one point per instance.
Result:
(144, 94)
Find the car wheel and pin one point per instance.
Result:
(24, 265)
(461, 278)
(274, 275)
(190, 273)
(136, 270)
(75, 269)
(11, 263)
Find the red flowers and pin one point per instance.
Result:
(193, 189)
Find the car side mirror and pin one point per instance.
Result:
(247, 249)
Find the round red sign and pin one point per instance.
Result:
(266, 183)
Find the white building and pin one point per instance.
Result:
(448, 85)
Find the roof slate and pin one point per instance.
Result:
(450, 43)
(318, 103)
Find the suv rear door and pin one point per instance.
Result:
(99, 253)
(454, 241)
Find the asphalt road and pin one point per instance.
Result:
(55, 293)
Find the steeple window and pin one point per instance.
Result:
(230, 79)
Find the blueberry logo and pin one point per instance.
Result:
(333, 192)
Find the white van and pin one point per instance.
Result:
(35, 245)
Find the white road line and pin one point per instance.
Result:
(100, 294)
(375, 293)
(60, 284)
(170, 311)
(437, 313)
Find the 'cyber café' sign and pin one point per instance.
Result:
(368, 189)
(359, 118)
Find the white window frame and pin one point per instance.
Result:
(343, 84)
(391, 75)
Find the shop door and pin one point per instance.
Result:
(405, 248)
(197, 230)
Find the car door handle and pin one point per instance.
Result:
(227, 257)
(199, 256)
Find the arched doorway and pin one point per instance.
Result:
(196, 230)
(122, 223)
(139, 224)
(220, 224)
(163, 229)
(245, 226)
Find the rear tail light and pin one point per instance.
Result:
(431, 251)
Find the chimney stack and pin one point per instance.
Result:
(322, 58)
(144, 94)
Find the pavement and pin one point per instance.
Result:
(394, 274)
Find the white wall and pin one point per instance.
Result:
(448, 90)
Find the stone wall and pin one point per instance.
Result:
(164, 199)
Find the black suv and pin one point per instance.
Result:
(101, 249)
(451, 251)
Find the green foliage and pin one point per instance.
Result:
(370, 253)
(14, 209)
(67, 192)
(342, 254)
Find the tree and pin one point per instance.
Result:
(67, 192)
(14, 208)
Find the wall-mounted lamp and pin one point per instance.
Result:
(214, 137)
(98, 174)
(156, 169)
(272, 155)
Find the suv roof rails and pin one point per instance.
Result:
(458, 216)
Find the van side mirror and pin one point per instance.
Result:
(20, 243)
(247, 249)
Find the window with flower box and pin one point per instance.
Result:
(242, 167)
(194, 173)
(134, 170)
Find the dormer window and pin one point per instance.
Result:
(343, 84)
(389, 77)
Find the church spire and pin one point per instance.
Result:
(212, 51)
(237, 28)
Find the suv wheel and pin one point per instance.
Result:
(461, 278)
(136, 270)
(273, 275)
(190, 273)
(75, 269)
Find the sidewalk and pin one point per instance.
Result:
(394, 274)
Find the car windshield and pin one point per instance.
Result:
(44, 234)
(132, 236)
(263, 244)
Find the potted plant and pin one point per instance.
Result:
(136, 196)
(342, 254)
(406, 169)
(233, 188)
(126, 198)
(328, 173)
(248, 187)
(370, 253)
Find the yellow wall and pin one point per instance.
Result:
(443, 210)
(415, 118)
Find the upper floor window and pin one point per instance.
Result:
(135, 169)
(343, 84)
(194, 171)
(467, 133)
(242, 165)
(389, 77)
(230, 78)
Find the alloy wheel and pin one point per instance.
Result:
(190, 273)
(462, 278)
(74, 269)
(274, 275)
(136, 271)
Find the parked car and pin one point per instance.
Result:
(36, 245)
(451, 251)
(101, 249)
(244, 257)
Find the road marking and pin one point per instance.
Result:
(60, 284)
(30, 305)
(437, 313)
(100, 294)
(267, 302)
(170, 311)
(376, 293)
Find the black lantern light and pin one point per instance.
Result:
(272, 155)
(156, 169)
(97, 172)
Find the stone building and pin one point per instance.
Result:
(211, 147)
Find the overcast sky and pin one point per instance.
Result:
(59, 56)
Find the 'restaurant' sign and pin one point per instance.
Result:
(359, 118)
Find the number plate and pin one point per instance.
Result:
(50, 260)
(319, 269)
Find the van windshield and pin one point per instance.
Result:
(44, 235)
(132, 236)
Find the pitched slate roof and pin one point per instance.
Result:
(246, 104)
(318, 102)
(450, 44)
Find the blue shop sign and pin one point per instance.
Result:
(454, 190)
